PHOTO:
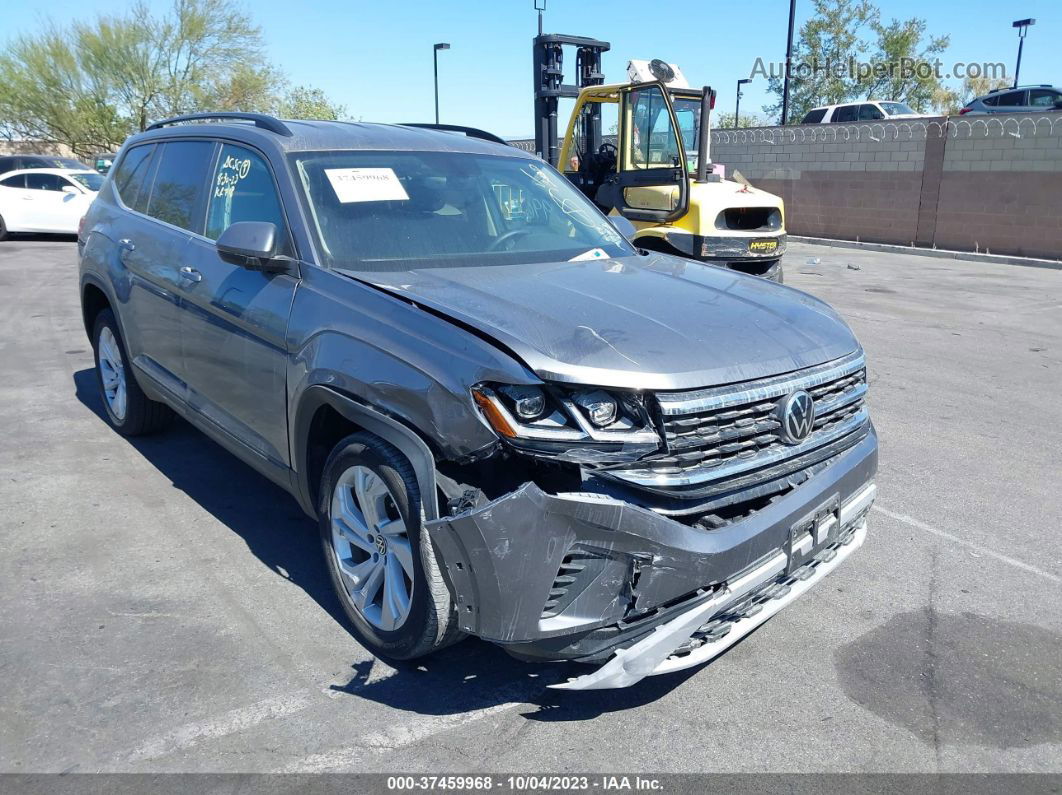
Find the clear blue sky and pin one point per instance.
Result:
(376, 57)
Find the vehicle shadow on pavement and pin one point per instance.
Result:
(472, 675)
(265, 516)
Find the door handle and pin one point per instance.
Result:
(125, 244)
(191, 275)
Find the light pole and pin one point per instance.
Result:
(737, 104)
(1023, 27)
(435, 57)
(788, 62)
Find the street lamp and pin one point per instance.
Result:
(788, 62)
(737, 104)
(435, 57)
(1023, 27)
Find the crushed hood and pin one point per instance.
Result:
(645, 322)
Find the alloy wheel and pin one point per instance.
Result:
(112, 373)
(372, 549)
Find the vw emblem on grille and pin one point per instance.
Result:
(797, 415)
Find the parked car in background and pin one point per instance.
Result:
(46, 199)
(17, 162)
(1023, 99)
(871, 110)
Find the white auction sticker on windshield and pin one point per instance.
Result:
(594, 253)
(366, 185)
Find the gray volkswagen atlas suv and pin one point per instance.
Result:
(508, 421)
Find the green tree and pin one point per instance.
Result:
(722, 121)
(90, 84)
(819, 72)
(304, 102)
(904, 67)
(974, 87)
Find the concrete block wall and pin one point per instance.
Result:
(973, 184)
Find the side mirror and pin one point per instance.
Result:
(250, 244)
(623, 226)
(71, 189)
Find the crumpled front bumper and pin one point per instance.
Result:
(707, 630)
(584, 576)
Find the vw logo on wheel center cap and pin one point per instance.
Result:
(797, 416)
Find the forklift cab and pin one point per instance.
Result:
(639, 171)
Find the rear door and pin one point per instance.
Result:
(235, 319)
(845, 114)
(15, 202)
(870, 112)
(166, 187)
(1010, 101)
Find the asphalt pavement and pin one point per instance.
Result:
(164, 608)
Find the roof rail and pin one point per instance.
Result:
(261, 120)
(471, 132)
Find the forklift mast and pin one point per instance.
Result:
(550, 87)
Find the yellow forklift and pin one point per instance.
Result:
(654, 166)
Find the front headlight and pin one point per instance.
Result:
(552, 420)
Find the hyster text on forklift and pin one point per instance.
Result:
(654, 167)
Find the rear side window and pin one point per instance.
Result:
(130, 179)
(44, 182)
(180, 180)
(17, 181)
(814, 117)
(242, 189)
(870, 113)
(1012, 99)
(8, 164)
(846, 113)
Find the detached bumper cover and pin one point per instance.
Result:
(694, 638)
(579, 576)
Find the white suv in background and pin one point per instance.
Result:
(854, 112)
(46, 199)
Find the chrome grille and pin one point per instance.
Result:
(719, 433)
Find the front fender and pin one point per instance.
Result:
(390, 430)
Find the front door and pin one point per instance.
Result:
(46, 201)
(235, 319)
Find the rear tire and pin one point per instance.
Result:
(3, 228)
(379, 557)
(129, 411)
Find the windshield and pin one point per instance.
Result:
(896, 108)
(88, 179)
(408, 210)
(688, 114)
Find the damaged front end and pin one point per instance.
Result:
(657, 547)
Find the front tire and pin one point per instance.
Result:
(379, 557)
(129, 411)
